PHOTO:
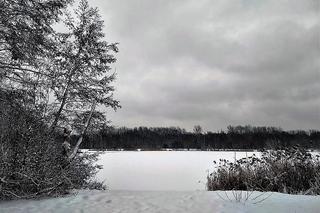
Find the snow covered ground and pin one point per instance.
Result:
(164, 201)
(156, 182)
(160, 170)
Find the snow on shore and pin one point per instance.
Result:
(163, 201)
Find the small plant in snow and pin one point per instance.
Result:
(244, 197)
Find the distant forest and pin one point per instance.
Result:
(236, 137)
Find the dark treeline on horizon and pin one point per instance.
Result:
(236, 137)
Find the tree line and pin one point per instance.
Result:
(236, 137)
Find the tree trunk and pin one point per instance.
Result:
(76, 148)
(65, 96)
(56, 119)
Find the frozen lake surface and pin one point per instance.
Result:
(160, 170)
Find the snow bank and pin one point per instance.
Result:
(164, 201)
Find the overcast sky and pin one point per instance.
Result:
(215, 62)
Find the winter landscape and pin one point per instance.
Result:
(141, 181)
(131, 106)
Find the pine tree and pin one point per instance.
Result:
(25, 34)
(81, 68)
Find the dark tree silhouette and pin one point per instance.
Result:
(237, 137)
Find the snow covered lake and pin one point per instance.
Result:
(160, 170)
(163, 182)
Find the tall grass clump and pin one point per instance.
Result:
(291, 170)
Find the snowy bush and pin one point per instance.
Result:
(31, 160)
(292, 170)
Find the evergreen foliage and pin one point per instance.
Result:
(37, 62)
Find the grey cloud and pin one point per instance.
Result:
(216, 63)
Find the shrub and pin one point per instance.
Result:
(292, 170)
(31, 160)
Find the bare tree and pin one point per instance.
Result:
(197, 129)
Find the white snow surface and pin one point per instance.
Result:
(164, 201)
(161, 170)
